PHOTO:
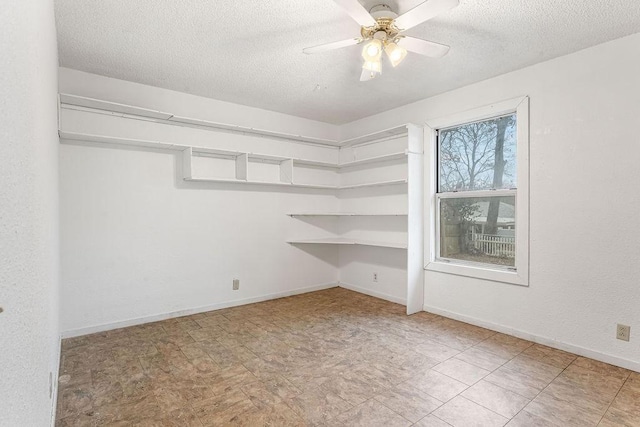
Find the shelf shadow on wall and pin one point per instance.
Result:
(326, 253)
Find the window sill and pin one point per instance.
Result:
(478, 272)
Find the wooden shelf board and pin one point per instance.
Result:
(345, 241)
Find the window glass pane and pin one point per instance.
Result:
(479, 229)
(478, 156)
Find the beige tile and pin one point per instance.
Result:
(633, 382)
(504, 345)
(619, 417)
(482, 359)
(436, 351)
(461, 412)
(274, 363)
(223, 407)
(550, 356)
(431, 421)
(498, 399)
(517, 382)
(316, 405)
(461, 371)
(226, 416)
(370, 413)
(562, 413)
(585, 390)
(408, 402)
(527, 419)
(75, 402)
(602, 368)
(277, 415)
(437, 385)
(533, 368)
(352, 389)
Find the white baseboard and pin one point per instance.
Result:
(163, 316)
(55, 374)
(372, 293)
(580, 351)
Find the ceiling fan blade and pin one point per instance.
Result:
(423, 47)
(423, 12)
(357, 12)
(331, 46)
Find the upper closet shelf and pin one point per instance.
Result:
(109, 107)
(215, 152)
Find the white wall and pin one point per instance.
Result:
(584, 160)
(138, 243)
(29, 339)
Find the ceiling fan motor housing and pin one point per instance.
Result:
(382, 11)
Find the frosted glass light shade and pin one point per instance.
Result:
(373, 66)
(395, 53)
(372, 51)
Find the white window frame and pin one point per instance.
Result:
(480, 271)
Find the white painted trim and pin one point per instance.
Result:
(580, 351)
(477, 114)
(431, 234)
(415, 219)
(371, 293)
(163, 316)
(55, 375)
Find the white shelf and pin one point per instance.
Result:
(372, 184)
(109, 107)
(216, 152)
(278, 184)
(112, 107)
(376, 159)
(345, 241)
(132, 110)
(344, 214)
(197, 151)
(377, 136)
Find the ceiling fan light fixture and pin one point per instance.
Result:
(367, 75)
(373, 66)
(395, 53)
(372, 51)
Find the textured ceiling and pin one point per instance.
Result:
(250, 52)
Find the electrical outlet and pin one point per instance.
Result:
(236, 284)
(375, 277)
(623, 332)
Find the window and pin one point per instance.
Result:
(476, 194)
(479, 215)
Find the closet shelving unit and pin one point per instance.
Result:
(286, 171)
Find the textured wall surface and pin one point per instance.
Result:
(28, 213)
(139, 243)
(584, 154)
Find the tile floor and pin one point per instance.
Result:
(333, 358)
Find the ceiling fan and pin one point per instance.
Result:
(382, 28)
